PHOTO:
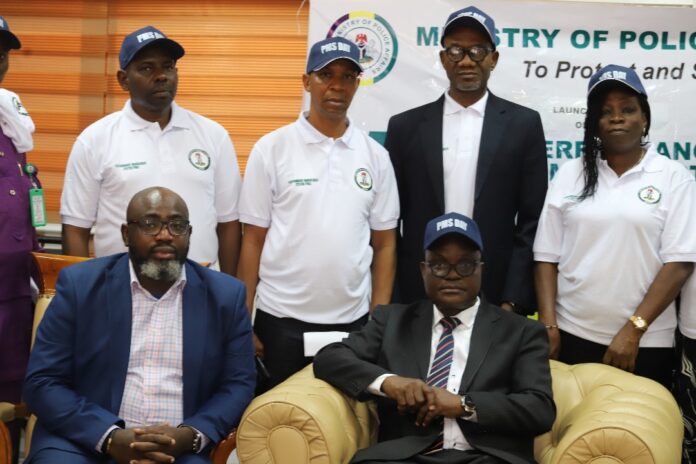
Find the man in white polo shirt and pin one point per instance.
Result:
(152, 141)
(319, 206)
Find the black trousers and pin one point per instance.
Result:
(284, 345)
(685, 394)
(654, 363)
(448, 456)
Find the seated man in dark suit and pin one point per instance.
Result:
(457, 380)
(144, 356)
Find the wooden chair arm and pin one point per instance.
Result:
(222, 451)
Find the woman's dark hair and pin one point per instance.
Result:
(592, 148)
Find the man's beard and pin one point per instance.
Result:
(167, 271)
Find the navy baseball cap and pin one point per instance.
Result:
(12, 40)
(332, 49)
(616, 73)
(148, 35)
(470, 15)
(452, 223)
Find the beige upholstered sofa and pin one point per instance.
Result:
(605, 416)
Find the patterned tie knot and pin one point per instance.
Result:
(449, 323)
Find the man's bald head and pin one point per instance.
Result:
(157, 233)
(154, 198)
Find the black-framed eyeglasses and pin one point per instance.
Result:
(463, 268)
(153, 226)
(455, 53)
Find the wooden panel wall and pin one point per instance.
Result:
(243, 65)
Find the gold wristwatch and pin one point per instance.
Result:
(639, 323)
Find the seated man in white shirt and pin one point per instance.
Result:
(144, 356)
(457, 379)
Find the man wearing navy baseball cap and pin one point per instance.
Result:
(319, 206)
(456, 379)
(152, 141)
(474, 153)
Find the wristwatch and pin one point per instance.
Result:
(639, 323)
(468, 406)
(197, 439)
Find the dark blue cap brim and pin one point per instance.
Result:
(464, 236)
(459, 22)
(615, 81)
(12, 40)
(329, 61)
(176, 50)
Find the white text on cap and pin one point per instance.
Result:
(473, 14)
(149, 36)
(451, 222)
(333, 46)
(620, 75)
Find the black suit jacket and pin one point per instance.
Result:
(511, 181)
(507, 376)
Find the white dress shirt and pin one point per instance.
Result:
(461, 140)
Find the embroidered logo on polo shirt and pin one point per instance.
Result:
(363, 179)
(649, 194)
(199, 159)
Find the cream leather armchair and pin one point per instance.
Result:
(604, 415)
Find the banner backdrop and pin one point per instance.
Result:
(548, 51)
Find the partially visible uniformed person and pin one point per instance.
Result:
(17, 235)
(152, 141)
(319, 206)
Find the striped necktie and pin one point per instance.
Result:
(440, 368)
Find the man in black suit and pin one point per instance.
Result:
(476, 154)
(472, 390)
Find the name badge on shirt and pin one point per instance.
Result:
(38, 207)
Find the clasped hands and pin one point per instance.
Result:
(150, 445)
(416, 396)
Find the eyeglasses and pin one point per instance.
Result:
(477, 54)
(463, 268)
(153, 226)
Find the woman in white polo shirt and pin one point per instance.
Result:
(616, 239)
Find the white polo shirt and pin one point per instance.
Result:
(687, 311)
(121, 154)
(610, 247)
(319, 199)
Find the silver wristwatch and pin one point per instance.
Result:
(468, 406)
